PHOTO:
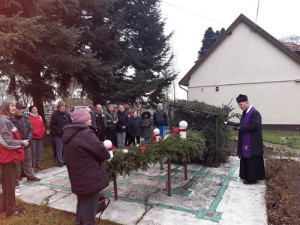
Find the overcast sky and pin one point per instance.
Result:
(190, 18)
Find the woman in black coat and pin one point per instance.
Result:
(84, 156)
(146, 124)
(135, 128)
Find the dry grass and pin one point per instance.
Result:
(43, 215)
(283, 192)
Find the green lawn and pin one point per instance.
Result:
(275, 137)
(48, 156)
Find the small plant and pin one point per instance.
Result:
(287, 146)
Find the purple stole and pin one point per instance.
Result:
(246, 145)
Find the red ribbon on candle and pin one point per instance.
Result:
(143, 148)
(176, 131)
(111, 148)
(183, 129)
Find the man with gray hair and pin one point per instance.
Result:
(99, 122)
(122, 126)
(160, 120)
(111, 120)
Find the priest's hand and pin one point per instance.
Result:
(237, 128)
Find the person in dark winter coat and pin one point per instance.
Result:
(160, 120)
(59, 119)
(99, 122)
(25, 129)
(84, 156)
(11, 151)
(135, 128)
(128, 138)
(122, 125)
(111, 120)
(146, 124)
(250, 143)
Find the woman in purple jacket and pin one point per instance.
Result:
(84, 157)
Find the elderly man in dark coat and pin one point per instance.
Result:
(111, 122)
(84, 156)
(99, 122)
(250, 143)
(122, 126)
(25, 129)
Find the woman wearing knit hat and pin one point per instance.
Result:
(84, 156)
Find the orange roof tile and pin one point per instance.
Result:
(294, 47)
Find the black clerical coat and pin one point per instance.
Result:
(255, 129)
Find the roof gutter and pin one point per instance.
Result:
(184, 89)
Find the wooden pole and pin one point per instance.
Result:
(185, 170)
(115, 187)
(169, 178)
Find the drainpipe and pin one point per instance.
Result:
(184, 90)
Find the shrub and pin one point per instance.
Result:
(210, 121)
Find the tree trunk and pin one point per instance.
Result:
(37, 94)
(38, 102)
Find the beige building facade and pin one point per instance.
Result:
(248, 60)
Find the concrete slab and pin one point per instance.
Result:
(66, 202)
(243, 204)
(171, 217)
(210, 196)
(124, 212)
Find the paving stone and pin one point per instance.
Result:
(210, 196)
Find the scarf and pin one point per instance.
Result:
(246, 145)
(34, 114)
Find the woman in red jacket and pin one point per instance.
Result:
(39, 131)
(11, 151)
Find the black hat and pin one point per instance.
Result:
(20, 106)
(241, 98)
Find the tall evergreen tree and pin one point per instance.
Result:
(145, 68)
(100, 34)
(42, 61)
(147, 59)
(209, 39)
(116, 50)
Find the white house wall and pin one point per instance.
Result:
(273, 100)
(247, 63)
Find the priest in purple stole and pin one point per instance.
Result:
(250, 143)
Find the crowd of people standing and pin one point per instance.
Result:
(124, 127)
(77, 140)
